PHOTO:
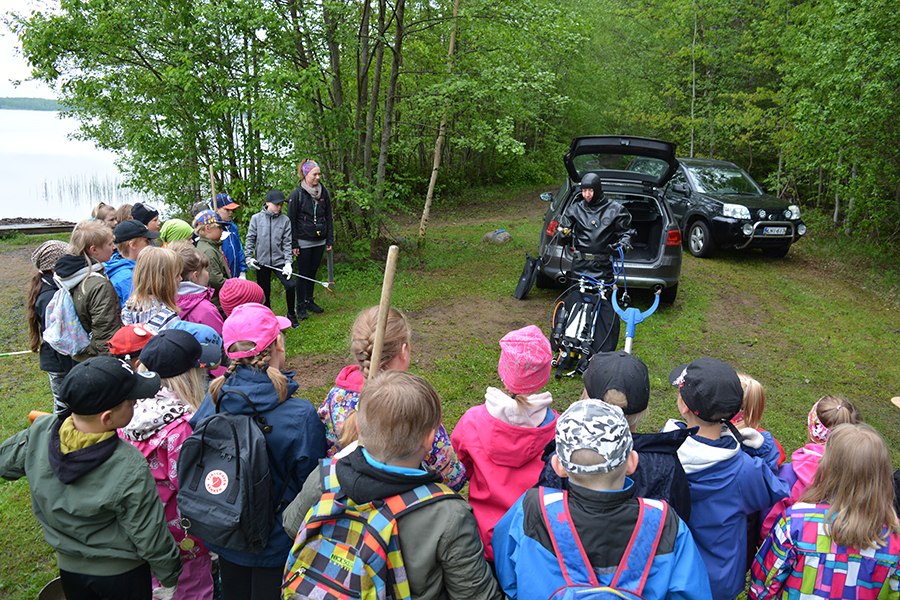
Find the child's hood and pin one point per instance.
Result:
(805, 461)
(72, 270)
(191, 294)
(93, 450)
(256, 385)
(509, 445)
(154, 414)
(502, 407)
(350, 378)
(697, 454)
(114, 266)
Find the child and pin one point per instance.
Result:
(92, 493)
(175, 230)
(154, 298)
(132, 236)
(757, 442)
(238, 291)
(147, 215)
(599, 515)
(42, 289)
(159, 428)
(208, 228)
(269, 243)
(224, 207)
(399, 414)
(81, 271)
(128, 343)
(500, 441)
(338, 410)
(123, 213)
(253, 340)
(842, 540)
(621, 379)
(727, 484)
(826, 414)
(193, 293)
(105, 213)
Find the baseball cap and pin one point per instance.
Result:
(208, 217)
(275, 196)
(709, 388)
(224, 201)
(143, 212)
(132, 228)
(255, 323)
(593, 425)
(203, 333)
(172, 352)
(236, 291)
(619, 371)
(102, 383)
(525, 357)
(129, 339)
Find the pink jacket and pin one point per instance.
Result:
(799, 473)
(502, 461)
(196, 307)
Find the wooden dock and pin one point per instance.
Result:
(36, 228)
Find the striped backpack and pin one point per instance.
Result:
(348, 551)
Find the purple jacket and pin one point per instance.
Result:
(196, 307)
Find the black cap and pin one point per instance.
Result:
(275, 197)
(102, 383)
(710, 388)
(130, 229)
(143, 212)
(619, 371)
(172, 352)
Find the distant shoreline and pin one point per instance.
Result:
(43, 104)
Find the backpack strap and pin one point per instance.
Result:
(634, 567)
(566, 543)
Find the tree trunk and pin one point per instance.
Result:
(376, 90)
(390, 99)
(693, 77)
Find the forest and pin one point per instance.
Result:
(28, 104)
(402, 100)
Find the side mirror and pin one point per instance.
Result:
(547, 197)
(680, 188)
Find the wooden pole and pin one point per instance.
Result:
(212, 184)
(387, 287)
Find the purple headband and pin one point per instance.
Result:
(308, 166)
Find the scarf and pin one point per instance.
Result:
(315, 192)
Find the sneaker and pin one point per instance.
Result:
(310, 305)
(294, 322)
(302, 314)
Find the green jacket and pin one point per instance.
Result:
(218, 266)
(110, 499)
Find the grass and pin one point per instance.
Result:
(816, 322)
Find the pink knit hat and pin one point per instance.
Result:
(237, 291)
(525, 357)
(255, 323)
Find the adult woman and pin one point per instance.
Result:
(312, 226)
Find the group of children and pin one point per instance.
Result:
(555, 503)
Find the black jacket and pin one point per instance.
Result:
(51, 361)
(311, 220)
(659, 474)
(597, 225)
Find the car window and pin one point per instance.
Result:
(585, 163)
(677, 179)
(560, 195)
(723, 180)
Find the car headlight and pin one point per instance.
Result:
(792, 213)
(736, 211)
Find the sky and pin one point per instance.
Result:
(12, 65)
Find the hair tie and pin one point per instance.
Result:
(227, 374)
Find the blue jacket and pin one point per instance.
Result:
(296, 444)
(233, 250)
(727, 485)
(524, 557)
(121, 273)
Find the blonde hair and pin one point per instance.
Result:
(85, 235)
(754, 404)
(617, 398)
(835, 410)
(101, 211)
(362, 343)
(189, 387)
(192, 260)
(156, 273)
(123, 213)
(588, 458)
(260, 362)
(396, 411)
(854, 478)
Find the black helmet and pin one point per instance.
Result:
(591, 181)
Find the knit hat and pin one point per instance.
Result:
(46, 255)
(143, 212)
(593, 425)
(223, 200)
(255, 323)
(237, 291)
(525, 357)
(619, 371)
(103, 382)
(174, 230)
(129, 339)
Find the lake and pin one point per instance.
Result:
(45, 174)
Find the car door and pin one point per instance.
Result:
(677, 194)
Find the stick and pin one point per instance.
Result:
(386, 289)
(327, 286)
(330, 254)
(212, 183)
(15, 353)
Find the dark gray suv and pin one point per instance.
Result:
(632, 171)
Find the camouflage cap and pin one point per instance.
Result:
(593, 425)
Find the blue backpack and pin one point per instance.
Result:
(581, 582)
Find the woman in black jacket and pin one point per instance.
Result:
(312, 228)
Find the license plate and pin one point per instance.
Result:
(774, 230)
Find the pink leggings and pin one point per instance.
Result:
(196, 581)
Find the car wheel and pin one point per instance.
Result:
(779, 252)
(699, 239)
(667, 296)
(542, 281)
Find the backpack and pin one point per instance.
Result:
(581, 325)
(63, 330)
(345, 550)
(224, 483)
(581, 582)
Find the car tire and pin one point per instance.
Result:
(542, 281)
(699, 240)
(667, 296)
(778, 252)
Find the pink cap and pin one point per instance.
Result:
(255, 323)
(525, 357)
